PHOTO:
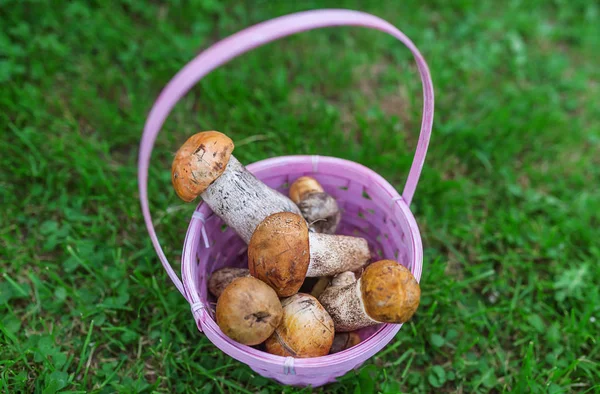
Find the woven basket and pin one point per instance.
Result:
(371, 207)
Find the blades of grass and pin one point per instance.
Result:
(227, 383)
(595, 388)
(401, 359)
(87, 366)
(36, 294)
(222, 368)
(467, 282)
(15, 285)
(390, 349)
(159, 293)
(115, 307)
(113, 373)
(86, 343)
(82, 263)
(407, 368)
(15, 342)
(513, 301)
(525, 374)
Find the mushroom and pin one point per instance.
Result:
(387, 292)
(306, 329)
(318, 208)
(343, 341)
(221, 278)
(204, 166)
(248, 311)
(282, 252)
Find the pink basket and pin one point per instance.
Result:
(371, 207)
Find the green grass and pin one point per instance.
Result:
(507, 206)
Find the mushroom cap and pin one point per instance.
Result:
(198, 162)
(278, 252)
(221, 278)
(321, 211)
(248, 311)
(306, 329)
(302, 187)
(390, 292)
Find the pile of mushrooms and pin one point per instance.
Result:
(307, 291)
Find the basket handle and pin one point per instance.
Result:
(245, 40)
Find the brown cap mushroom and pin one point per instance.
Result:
(248, 311)
(305, 331)
(199, 162)
(318, 207)
(221, 278)
(387, 292)
(205, 166)
(343, 341)
(278, 252)
(282, 253)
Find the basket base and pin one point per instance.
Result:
(291, 379)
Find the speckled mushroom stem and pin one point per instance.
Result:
(345, 306)
(343, 279)
(242, 201)
(332, 254)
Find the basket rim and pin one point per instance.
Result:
(251, 356)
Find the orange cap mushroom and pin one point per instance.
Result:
(387, 292)
(199, 162)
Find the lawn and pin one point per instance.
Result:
(507, 204)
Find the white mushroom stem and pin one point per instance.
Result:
(343, 279)
(332, 254)
(242, 201)
(345, 306)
